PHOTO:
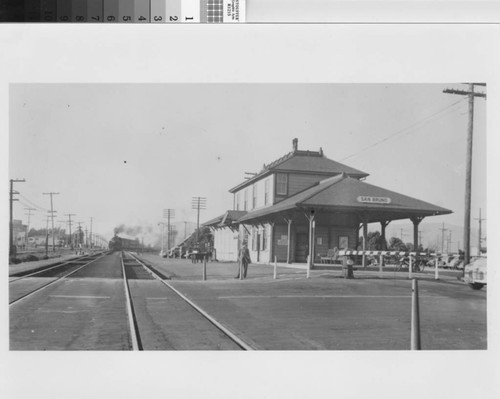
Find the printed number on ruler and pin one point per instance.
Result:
(94, 10)
(190, 11)
(157, 11)
(141, 11)
(173, 11)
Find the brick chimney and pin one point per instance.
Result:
(295, 143)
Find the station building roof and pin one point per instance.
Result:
(227, 219)
(349, 195)
(302, 161)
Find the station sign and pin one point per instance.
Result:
(373, 200)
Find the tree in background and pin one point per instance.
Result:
(375, 242)
(205, 240)
(395, 244)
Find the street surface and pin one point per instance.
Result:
(88, 310)
(84, 312)
(330, 312)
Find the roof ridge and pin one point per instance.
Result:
(277, 161)
(290, 155)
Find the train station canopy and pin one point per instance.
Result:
(227, 219)
(344, 194)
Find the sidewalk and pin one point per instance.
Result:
(182, 269)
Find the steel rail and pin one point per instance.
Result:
(54, 281)
(132, 320)
(237, 340)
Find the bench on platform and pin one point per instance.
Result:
(332, 257)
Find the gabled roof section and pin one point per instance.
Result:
(214, 222)
(347, 194)
(312, 163)
(305, 162)
(226, 219)
(231, 217)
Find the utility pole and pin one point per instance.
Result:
(468, 172)
(69, 223)
(12, 248)
(442, 238)
(479, 237)
(28, 227)
(173, 234)
(198, 203)
(90, 235)
(64, 235)
(79, 235)
(162, 233)
(168, 214)
(448, 246)
(47, 237)
(52, 216)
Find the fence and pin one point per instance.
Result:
(412, 257)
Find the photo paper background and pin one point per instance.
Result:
(254, 54)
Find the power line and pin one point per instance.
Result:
(41, 208)
(405, 130)
(168, 214)
(52, 216)
(198, 203)
(69, 224)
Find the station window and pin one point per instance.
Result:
(264, 238)
(266, 192)
(281, 184)
(254, 239)
(245, 204)
(238, 201)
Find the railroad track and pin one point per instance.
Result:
(57, 272)
(109, 301)
(135, 269)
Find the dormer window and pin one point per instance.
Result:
(281, 184)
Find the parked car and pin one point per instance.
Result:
(176, 252)
(475, 273)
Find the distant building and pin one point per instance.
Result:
(19, 233)
(303, 204)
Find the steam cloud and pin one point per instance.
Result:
(146, 233)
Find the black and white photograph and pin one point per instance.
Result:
(219, 216)
(328, 211)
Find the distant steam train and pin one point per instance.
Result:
(116, 244)
(123, 244)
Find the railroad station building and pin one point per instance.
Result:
(303, 204)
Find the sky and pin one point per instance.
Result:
(121, 153)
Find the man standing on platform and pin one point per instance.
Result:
(243, 260)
